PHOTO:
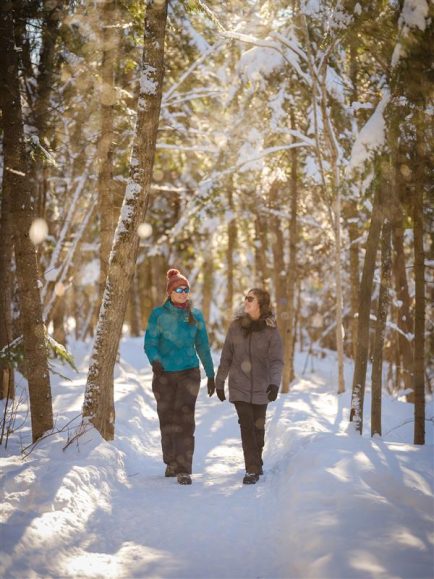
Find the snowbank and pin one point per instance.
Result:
(330, 505)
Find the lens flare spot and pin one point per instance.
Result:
(38, 231)
(144, 230)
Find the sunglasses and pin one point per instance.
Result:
(249, 299)
(180, 290)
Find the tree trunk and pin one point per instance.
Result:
(106, 204)
(207, 285)
(98, 405)
(364, 310)
(405, 318)
(383, 306)
(277, 242)
(419, 317)
(290, 322)
(134, 308)
(7, 382)
(232, 243)
(331, 141)
(144, 274)
(352, 211)
(338, 273)
(354, 235)
(21, 216)
(260, 250)
(53, 11)
(59, 332)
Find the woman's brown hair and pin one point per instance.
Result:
(264, 301)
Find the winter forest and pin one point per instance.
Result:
(258, 144)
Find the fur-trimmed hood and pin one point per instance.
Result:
(249, 325)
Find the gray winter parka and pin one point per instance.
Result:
(253, 358)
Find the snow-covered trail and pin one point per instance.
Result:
(105, 509)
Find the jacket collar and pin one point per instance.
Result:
(171, 308)
(250, 325)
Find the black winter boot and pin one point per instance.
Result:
(170, 471)
(250, 478)
(183, 478)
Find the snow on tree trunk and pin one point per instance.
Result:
(15, 164)
(98, 404)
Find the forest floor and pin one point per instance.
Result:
(331, 504)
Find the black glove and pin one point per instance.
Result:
(157, 367)
(221, 394)
(272, 391)
(211, 386)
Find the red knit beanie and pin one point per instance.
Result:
(175, 279)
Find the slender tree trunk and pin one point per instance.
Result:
(278, 255)
(98, 404)
(383, 306)
(260, 249)
(144, 273)
(207, 271)
(7, 382)
(59, 333)
(354, 234)
(364, 310)
(232, 244)
(21, 215)
(352, 220)
(47, 70)
(290, 323)
(404, 370)
(405, 318)
(134, 308)
(332, 145)
(419, 318)
(106, 204)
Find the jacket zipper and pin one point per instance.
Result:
(251, 368)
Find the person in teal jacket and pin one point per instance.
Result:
(175, 340)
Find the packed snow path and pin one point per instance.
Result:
(330, 505)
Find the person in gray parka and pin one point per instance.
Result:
(252, 357)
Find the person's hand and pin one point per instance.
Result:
(157, 367)
(221, 394)
(272, 391)
(211, 386)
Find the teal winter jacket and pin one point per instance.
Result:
(176, 343)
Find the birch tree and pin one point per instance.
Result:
(98, 405)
